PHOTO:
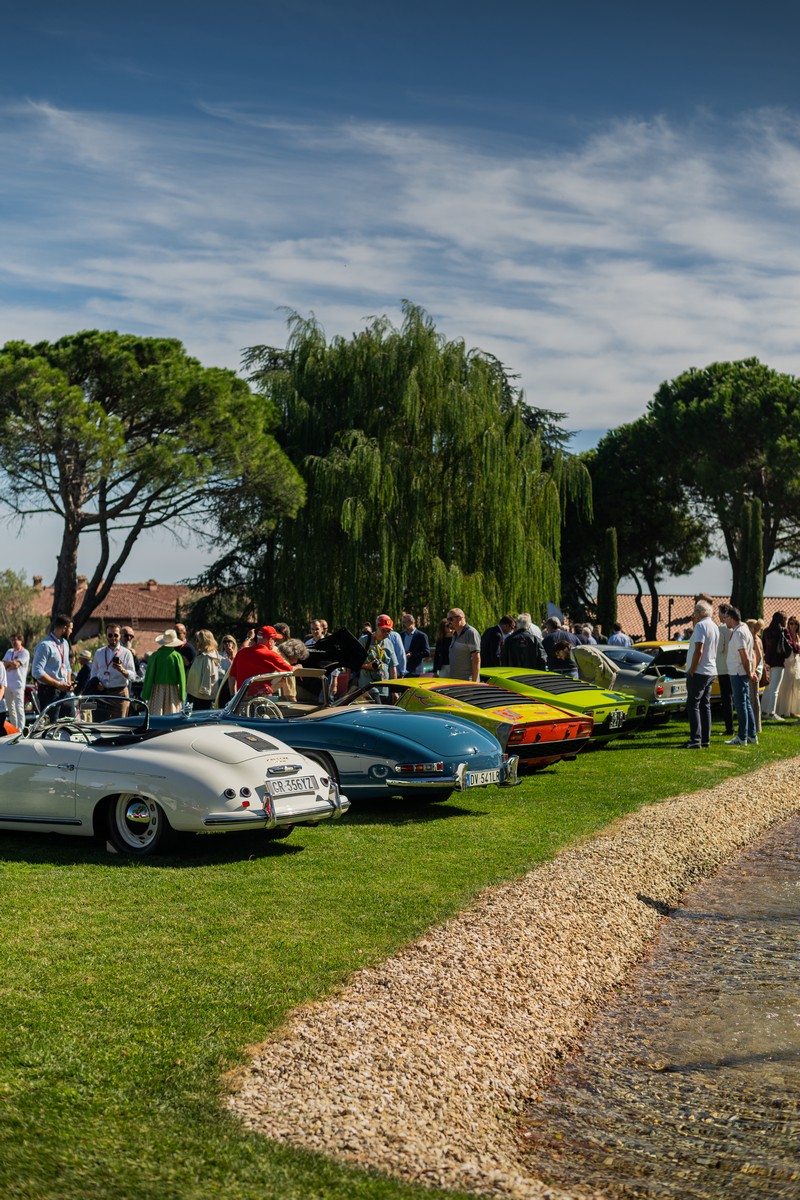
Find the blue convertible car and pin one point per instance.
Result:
(370, 749)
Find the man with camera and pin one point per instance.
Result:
(114, 669)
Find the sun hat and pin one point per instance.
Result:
(384, 622)
(87, 654)
(169, 638)
(267, 631)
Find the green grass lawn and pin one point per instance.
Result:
(129, 987)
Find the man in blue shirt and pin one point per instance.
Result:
(385, 622)
(618, 638)
(51, 666)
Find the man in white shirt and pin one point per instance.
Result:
(16, 662)
(741, 670)
(114, 669)
(701, 660)
(2, 701)
(619, 637)
(722, 670)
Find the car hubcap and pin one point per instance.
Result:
(137, 820)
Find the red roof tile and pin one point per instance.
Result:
(681, 611)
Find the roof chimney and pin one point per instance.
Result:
(151, 585)
(82, 581)
(37, 583)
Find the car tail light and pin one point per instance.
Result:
(521, 734)
(419, 768)
(585, 728)
(659, 689)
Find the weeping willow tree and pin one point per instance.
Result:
(425, 486)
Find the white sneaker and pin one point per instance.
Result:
(752, 741)
(735, 741)
(772, 717)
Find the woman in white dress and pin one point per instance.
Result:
(787, 703)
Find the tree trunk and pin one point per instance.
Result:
(65, 586)
(639, 604)
(651, 630)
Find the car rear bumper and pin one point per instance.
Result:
(540, 753)
(459, 780)
(297, 811)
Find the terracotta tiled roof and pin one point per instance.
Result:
(681, 611)
(149, 607)
(127, 602)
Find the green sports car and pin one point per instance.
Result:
(614, 713)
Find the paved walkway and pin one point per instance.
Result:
(689, 1086)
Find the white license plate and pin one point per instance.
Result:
(288, 787)
(482, 778)
(616, 718)
(678, 689)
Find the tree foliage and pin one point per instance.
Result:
(118, 434)
(732, 433)
(17, 611)
(635, 491)
(426, 488)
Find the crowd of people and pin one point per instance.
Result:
(741, 655)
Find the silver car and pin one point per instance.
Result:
(650, 677)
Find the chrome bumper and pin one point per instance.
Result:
(457, 781)
(287, 816)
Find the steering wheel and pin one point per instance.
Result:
(267, 708)
(74, 733)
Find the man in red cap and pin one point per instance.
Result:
(259, 659)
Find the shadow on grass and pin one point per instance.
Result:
(192, 850)
(53, 849)
(405, 812)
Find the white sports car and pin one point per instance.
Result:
(138, 785)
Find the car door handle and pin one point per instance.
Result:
(65, 766)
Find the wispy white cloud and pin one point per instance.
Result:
(594, 271)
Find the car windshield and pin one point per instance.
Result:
(624, 656)
(280, 692)
(371, 693)
(92, 711)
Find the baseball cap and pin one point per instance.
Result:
(267, 631)
(384, 622)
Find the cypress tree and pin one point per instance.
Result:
(607, 582)
(756, 559)
(741, 592)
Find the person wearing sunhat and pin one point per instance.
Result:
(84, 671)
(261, 658)
(164, 687)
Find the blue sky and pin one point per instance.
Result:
(600, 194)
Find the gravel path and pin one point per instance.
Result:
(419, 1066)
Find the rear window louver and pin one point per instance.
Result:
(556, 685)
(483, 695)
